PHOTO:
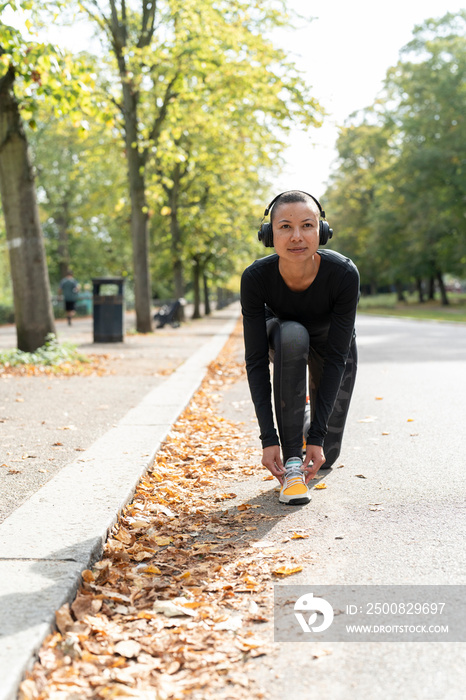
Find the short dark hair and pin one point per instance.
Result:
(289, 198)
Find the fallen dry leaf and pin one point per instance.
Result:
(287, 571)
(63, 619)
(163, 541)
(128, 648)
(225, 496)
(85, 605)
(152, 570)
(319, 653)
(171, 609)
(177, 575)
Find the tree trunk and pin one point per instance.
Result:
(197, 289)
(399, 291)
(431, 294)
(175, 233)
(62, 221)
(207, 309)
(443, 291)
(420, 290)
(28, 264)
(139, 210)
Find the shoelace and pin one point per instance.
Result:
(294, 475)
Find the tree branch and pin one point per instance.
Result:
(99, 18)
(148, 22)
(7, 80)
(158, 122)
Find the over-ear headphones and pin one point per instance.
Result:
(265, 233)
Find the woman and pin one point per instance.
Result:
(299, 309)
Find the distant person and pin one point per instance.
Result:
(299, 309)
(69, 289)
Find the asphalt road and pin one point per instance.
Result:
(393, 513)
(393, 510)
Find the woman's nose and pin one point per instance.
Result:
(296, 232)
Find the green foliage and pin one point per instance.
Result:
(52, 354)
(195, 94)
(44, 74)
(400, 190)
(83, 202)
(7, 313)
(210, 95)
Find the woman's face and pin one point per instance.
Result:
(296, 230)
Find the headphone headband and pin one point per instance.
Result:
(321, 211)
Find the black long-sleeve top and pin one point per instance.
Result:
(327, 308)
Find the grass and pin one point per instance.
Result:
(388, 305)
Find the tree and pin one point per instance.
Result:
(400, 190)
(218, 138)
(357, 189)
(31, 291)
(32, 74)
(429, 92)
(83, 197)
(165, 52)
(209, 174)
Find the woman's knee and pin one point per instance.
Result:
(294, 339)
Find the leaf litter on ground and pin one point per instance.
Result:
(174, 607)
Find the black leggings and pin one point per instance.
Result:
(291, 354)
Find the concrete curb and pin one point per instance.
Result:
(61, 529)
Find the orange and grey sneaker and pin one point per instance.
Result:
(294, 491)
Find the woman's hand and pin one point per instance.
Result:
(315, 458)
(271, 459)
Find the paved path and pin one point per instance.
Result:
(56, 526)
(406, 435)
(45, 422)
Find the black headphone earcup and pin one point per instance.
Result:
(325, 232)
(266, 235)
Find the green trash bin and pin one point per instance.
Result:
(108, 310)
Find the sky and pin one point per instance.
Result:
(345, 53)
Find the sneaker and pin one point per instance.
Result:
(294, 490)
